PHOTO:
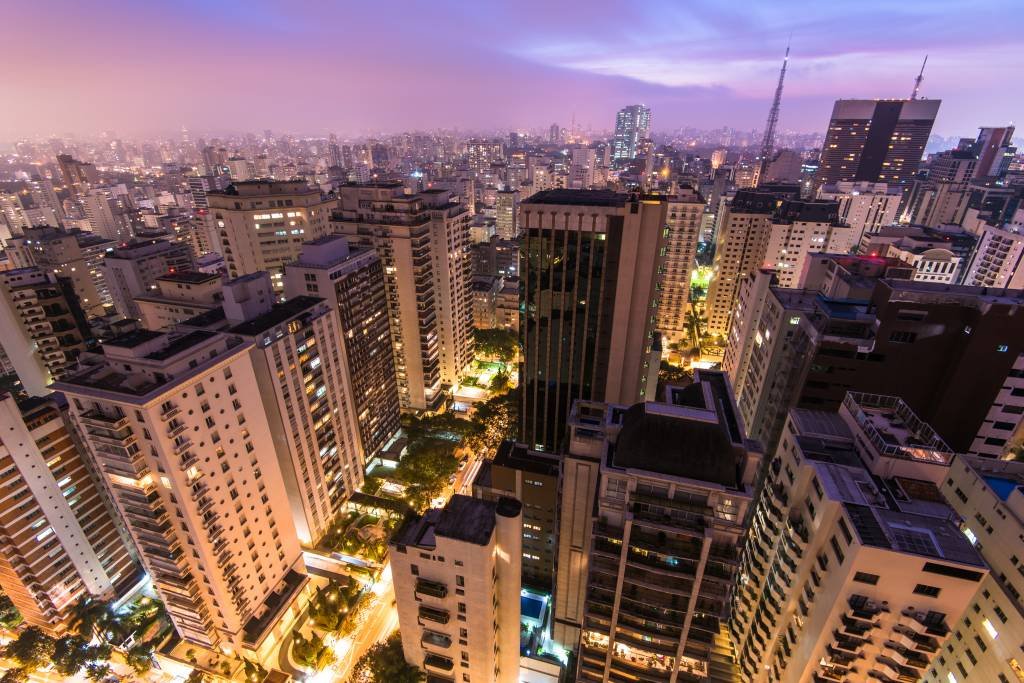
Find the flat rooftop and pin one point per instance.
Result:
(191, 277)
(466, 519)
(277, 315)
(579, 198)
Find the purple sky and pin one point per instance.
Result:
(356, 67)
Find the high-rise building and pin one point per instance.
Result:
(72, 254)
(853, 568)
(801, 228)
(131, 270)
(590, 272)
(481, 153)
(878, 141)
(307, 397)
(62, 540)
(456, 573)
(865, 207)
(44, 328)
(423, 244)
(654, 503)
(994, 152)
(506, 209)
(532, 478)
(685, 212)
(632, 124)
(986, 495)
(98, 205)
(240, 169)
(744, 227)
(999, 259)
(176, 423)
(261, 224)
(179, 296)
(554, 134)
(351, 279)
(77, 176)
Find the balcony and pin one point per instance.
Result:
(924, 623)
(99, 419)
(434, 589)
(438, 616)
(439, 662)
(168, 412)
(175, 428)
(435, 639)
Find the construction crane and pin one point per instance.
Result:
(917, 81)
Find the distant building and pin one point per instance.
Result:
(878, 141)
(131, 270)
(865, 207)
(685, 211)
(632, 124)
(456, 573)
(507, 214)
(178, 297)
(999, 259)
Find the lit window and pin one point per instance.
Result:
(990, 629)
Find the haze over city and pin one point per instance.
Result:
(366, 68)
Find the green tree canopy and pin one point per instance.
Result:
(385, 663)
(497, 342)
(32, 648)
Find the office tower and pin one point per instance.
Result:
(654, 498)
(800, 229)
(999, 259)
(554, 134)
(506, 210)
(423, 244)
(131, 270)
(532, 478)
(933, 204)
(351, 280)
(294, 348)
(72, 254)
(97, 206)
(62, 541)
(44, 329)
(865, 207)
(197, 483)
(179, 296)
(744, 226)
(590, 271)
(878, 141)
(853, 568)
(947, 350)
(986, 495)
(632, 124)
(456, 573)
(685, 211)
(994, 152)
(261, 225)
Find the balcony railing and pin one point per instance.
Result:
(435, 589)
(438, 616)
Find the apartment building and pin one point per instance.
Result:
(44, 329)
(865, 207)
(986, 495)
(423, 243)
(854, 568)
(62, 539)
(261, 224)
(456, 573)
(999, 258)
(176, 424)
(799, 229)
(131, 270)
(683, 220)
(653, 509)
(351, 279)
(179, 296)
(590, 276)
(72, 254)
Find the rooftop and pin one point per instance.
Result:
(277, 315)
(579, 198)
(466, 519)
(192, 277)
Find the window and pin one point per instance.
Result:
(845, 530)
(864, 577)
(925, 589)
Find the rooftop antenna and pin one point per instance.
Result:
(917, 81)
(768, 143)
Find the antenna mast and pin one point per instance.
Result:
(768, 143)
(917, 81)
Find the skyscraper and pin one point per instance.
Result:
(423, 243)
(590, 271)
(62, 541)
(632, 124)
(878, 141)
(685, 210)
(351, 279)
(131, 270)
(507, 214)
(994, 151)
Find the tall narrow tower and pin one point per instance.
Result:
(917, 81)
(768, 143)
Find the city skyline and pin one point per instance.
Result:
(161, 67)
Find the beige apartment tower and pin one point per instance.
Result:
(456, 573)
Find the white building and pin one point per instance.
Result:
(457, 587)
(864, 206)
(999, 258)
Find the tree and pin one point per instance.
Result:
(16, 675)
(671, 374)
(89, 616)
(197, 676)
(500, 382)
(254, 673)
(32, 648)
(385, 663)
(97, 672)
(497, 342)
(140, 657)
(70, 654)
(9, 614)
